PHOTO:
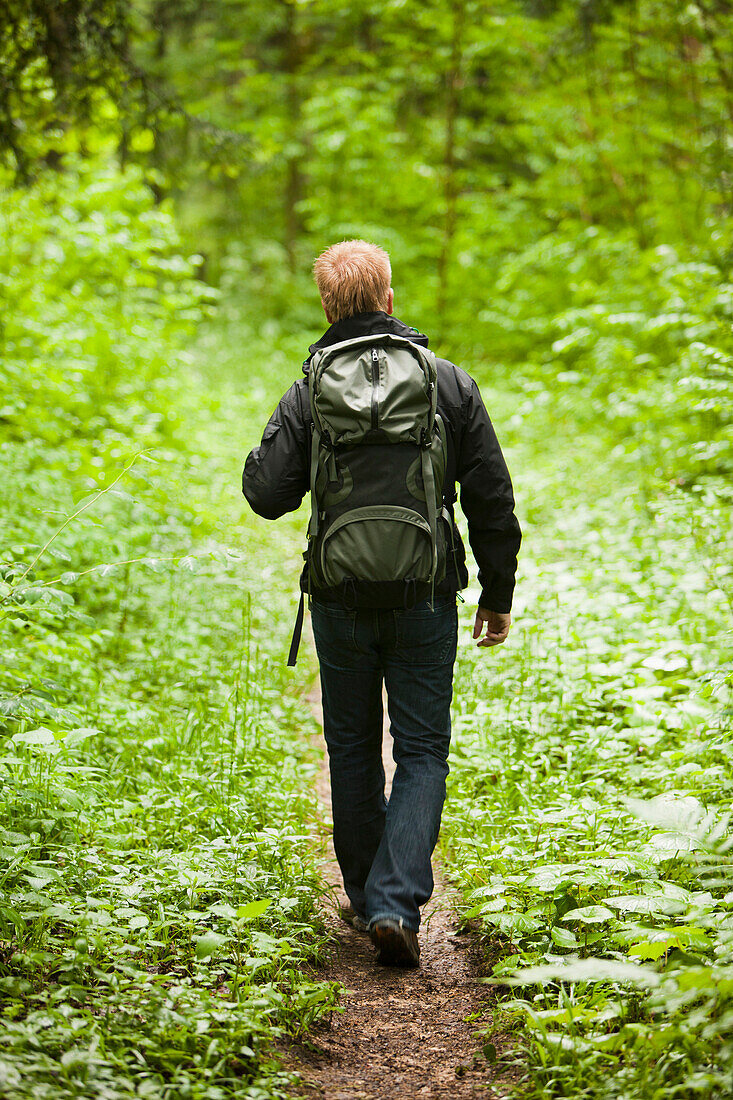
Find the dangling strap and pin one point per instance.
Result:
(428, 480)
(297, 632)
(311, 534)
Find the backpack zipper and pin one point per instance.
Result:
(375, 389)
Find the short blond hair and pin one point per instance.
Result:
(353, 277)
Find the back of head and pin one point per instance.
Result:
(353, 277)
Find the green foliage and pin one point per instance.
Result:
(157, 873)
(60, 62)
(552, 182)
(592, 778)
(458, 138)
(88, 349)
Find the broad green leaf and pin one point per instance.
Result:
(670, 812)
(36, 737)
(222, 909)
(209, 944)
(589, 914)
(653, 951)
(637, 903)
(81, 733)
(563, 937)
(252, 909)
(586, 970)
(61, 912)
(673, 842)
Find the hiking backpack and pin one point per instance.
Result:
(378, 459)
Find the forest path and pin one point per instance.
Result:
(403, 1034)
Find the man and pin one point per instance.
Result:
(384, 848)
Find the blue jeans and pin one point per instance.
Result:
(384, 848)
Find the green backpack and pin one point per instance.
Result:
(378, 459)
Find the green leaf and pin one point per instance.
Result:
(252, 909)
(589, 914)
(209, 944)
(493, 905)
(222, 909)
(653, 951)
(39, 736)
(670, 812)
(672, 843)
(81, 733)
(61, 912)
(636, 903)
(563, 937)
(37, 883)
(39, 740)
(585, 970)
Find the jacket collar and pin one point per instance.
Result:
(364, 324)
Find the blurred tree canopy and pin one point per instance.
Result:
(60, 63)
(454, 130)
(551, 178)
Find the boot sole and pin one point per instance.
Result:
(392, 947)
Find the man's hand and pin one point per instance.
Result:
(497, 627)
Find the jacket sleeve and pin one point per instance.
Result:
(487, 501)
(275, 476)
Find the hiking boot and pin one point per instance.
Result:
(396, 945)
(350, 915)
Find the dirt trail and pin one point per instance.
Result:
(403, 1034)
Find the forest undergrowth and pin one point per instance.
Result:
(592, 773)
(159, 885)
(158, 877)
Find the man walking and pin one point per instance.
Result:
(381, 432)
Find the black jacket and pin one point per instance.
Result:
(276, 474)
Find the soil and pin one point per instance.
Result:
(402, 1034)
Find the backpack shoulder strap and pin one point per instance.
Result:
(315, 449)
(428, 479)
